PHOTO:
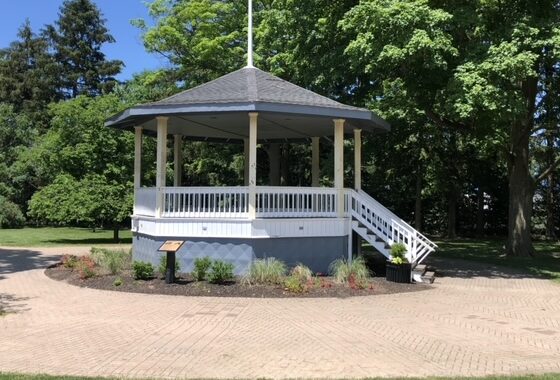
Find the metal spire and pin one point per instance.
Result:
(250, 36)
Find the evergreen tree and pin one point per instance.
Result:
(77, 38)
(28, 76)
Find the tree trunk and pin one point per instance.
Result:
(480, 212)
(521, 182)
(116, 233)
(550, 198)
(418, 201)
(274, 164)
(452, 213)
(284, 166)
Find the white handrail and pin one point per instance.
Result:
(388, 226)
(205, 202)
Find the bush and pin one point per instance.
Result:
(303, 272)
(294, 284)
(86, 267)
(220, 272)
(118, 282)
(162, 268)
(69, 261)
(201, 266)
(266, 271)
(142, 270)
(10, 214)
(110, 260)
(354, 273)
(398, 253)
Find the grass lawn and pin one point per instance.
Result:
(546, 262)
(8, 376)
(52, 237)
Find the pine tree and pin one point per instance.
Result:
(77, 38)
(28, 73)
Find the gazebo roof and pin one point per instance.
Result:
(218, 110)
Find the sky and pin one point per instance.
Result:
(118, 13)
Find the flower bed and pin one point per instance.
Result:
(267, 279)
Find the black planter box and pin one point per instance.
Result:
(401, 273)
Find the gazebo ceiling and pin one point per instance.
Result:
(218, 110)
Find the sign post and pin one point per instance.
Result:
(170, 247)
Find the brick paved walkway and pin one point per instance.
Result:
(476, 322)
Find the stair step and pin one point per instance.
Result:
(420, 269)
(429, 277)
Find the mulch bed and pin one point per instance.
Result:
(185, 286)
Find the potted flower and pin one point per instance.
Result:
(398, 268)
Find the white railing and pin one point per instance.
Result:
(296, 202)
(389, 227)
(205, 202)
(145, 201)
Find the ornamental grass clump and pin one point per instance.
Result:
(398, 254)
(354, 273)
(112, 261)
(303, 272)
(266, 271)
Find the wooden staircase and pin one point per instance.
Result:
(381, 228)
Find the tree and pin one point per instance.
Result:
(203, 39)
(92, 202)
(468, 66)
(28, 76)
(77, 39)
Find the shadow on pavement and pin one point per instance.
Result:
(448, 267)
(19, 260)
(10, 304)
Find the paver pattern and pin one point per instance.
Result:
(476, 322)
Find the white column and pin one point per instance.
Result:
(339, 163)
(161, 161)
(137, 157)
(357, 159)
(246, 162)
(177, 160)
(253, 164)
(315, 164)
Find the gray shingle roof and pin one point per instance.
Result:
(251, 85)
(219, 110)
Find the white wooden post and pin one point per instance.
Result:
(161, 162)
(253, 164)
(357, 159)
(177, 160)
(137, 158)
(246, 162)
(339, 164)
(315, 164)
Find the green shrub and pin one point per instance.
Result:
(111, 261)
(266, 271)
(118, 282)
(398, 253)
(303, 272)
(162, 268)
(201, 267)
(142, 270)
(220, 272)
(10, 214)
(294, 284)
(353, 273)
(69, 261)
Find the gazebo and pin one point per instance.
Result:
(312, 225)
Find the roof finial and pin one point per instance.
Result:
(250, 36)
